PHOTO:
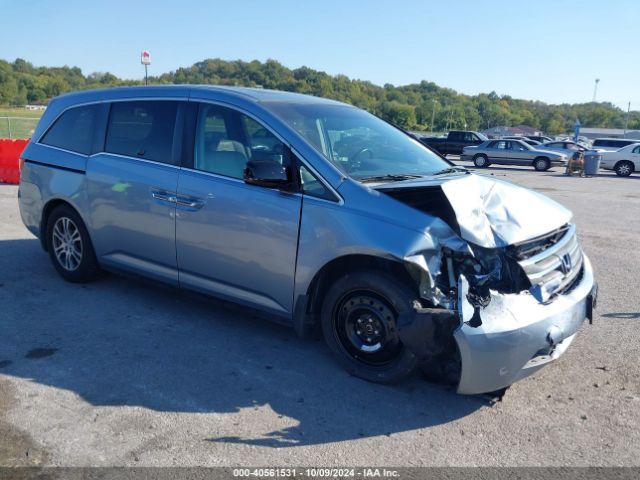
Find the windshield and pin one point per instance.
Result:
(358, 143)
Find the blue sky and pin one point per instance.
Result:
(540, 49)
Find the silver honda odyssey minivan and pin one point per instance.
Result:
(317, 213)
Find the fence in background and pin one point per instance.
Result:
(10, 151)
(17, 127)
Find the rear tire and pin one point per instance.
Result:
(624, 168)
(481, 161)
(358, 318)
(69, 246)
(541, 164)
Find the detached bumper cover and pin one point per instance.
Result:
(519, 335)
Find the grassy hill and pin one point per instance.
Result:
(411, 106)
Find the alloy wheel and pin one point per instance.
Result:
(67, 244)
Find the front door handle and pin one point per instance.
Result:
(163, 196)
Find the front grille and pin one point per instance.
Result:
(524, 250)
(555, 268)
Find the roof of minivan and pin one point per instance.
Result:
(246, 93)
(617, 139)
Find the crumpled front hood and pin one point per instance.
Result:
(494, 213)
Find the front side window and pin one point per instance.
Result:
(142, 129)
(73, 131)
(226, 139)
(312, 186)
(501, 145)
(358, 143)
(636, 150)
(470, 137)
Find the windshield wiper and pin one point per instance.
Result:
(451, 170)
(389, 177)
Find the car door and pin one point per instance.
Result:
(518, 153)
(498, 153)
(635, 158)
(132, 185)
(236, 240)
(455, 143)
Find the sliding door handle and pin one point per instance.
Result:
(190, 202)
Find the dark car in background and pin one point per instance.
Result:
(526, 140)
(454, 142)
(540, 138)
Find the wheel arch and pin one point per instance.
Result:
(307, 306)
(541, 157)
(49, 207)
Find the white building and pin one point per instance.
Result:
(592, 133)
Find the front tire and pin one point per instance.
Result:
(481, 161)
(541, 164)
(359, 315)
(69, 246)
(624, 168)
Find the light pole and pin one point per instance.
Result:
(626, 120)
(433, 114)
(595, 89)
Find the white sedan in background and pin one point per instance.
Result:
(624, 161)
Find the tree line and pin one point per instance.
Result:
(420, 106)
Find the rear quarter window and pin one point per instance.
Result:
(142, 129)
(611, 143)
(73, 130)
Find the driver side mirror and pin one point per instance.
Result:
(267, 174)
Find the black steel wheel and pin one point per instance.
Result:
(365, 326)
(359, 316)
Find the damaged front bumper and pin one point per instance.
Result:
(519, 335)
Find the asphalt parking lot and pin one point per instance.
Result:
(121, 372)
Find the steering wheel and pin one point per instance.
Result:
(354, 162)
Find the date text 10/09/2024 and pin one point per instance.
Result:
(315, 472)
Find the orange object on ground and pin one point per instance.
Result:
(10, 151)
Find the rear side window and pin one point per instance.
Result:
(73, 130)
(611, 143)
(142, 129)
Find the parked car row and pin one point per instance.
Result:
(619, 154)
